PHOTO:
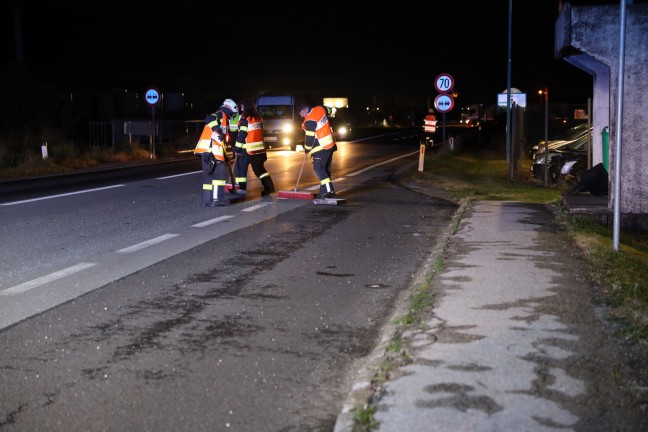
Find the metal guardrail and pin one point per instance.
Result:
(101, 134)
(104, 134)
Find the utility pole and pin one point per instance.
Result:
(546, 138)
(616, 226)
(508, 91)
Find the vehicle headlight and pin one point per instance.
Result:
(342, 131)
(540, 159)
(288, 128)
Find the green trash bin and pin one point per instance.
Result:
(606, 147)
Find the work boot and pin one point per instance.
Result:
(326, 191)
(268, 186)
(219, 197)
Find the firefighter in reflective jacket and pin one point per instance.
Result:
(233, 126)
(430, 122)
(233, 129)
(429, 127)
(250, 150)
(319, 142)
(211, 150)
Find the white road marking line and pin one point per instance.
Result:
(381, 163)
(60, 195)
(147, 243)
(256, 207)
(46, 279)
(178, 175)
(212, 221)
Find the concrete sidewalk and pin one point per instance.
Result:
(514, 341)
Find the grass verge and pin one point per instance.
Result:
(623, 275)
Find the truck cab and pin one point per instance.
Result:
(281, 121)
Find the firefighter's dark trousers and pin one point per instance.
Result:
(257, 162)
(322, 166)
(214, 173)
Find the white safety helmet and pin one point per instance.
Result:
(229, 103)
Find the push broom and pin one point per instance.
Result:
(231, 188)
(295, 194)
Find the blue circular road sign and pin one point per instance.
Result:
(443, 102)
(152, 96)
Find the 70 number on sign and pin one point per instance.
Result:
(444, 83)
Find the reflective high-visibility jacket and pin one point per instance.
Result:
(233, 123)
(250, 137)
(318, 130)
(212, 137)
(429, 124)
(233, 129)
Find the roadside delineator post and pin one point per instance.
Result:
(421, 157)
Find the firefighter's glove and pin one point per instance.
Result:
(212, 163)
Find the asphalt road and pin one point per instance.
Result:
(249, 317)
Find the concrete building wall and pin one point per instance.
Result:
(589, 38)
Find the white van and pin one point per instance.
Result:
(281, 121)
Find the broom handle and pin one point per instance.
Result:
(300, 171)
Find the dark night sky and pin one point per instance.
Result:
(354, 49)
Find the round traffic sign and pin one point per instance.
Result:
(443, 102)
(152, 96)
(444, 83)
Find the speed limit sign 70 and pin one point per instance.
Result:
(444, 83)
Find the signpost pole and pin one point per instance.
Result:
(152, 97)
(444, 129)
(444, 102)
(154, 132)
